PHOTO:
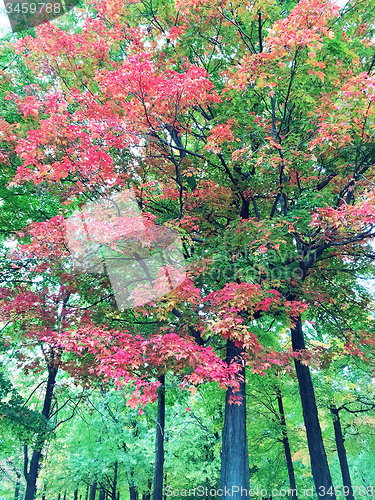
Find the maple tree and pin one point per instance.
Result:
(247, 127)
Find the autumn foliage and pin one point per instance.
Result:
(247, 127)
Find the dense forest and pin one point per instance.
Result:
(187, 213)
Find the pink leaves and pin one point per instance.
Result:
(154, 94)
(59, 148)
(120, 354)
(347, 219)
(305, 26)
(235, 297)
(295, 308)
(219, 135)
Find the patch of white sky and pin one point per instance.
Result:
(4, 21)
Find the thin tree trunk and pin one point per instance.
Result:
(31, 475)
(18, 486)
(235, 456)
(93, 490)
(342, 452)
(146, 495)
(288, 455)
(133, 493)
(159, 443)
(114, 486)
(318, 458)
(87, 492)
(76, 494)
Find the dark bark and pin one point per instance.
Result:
(76, 494)
(176, 137)
(319, 463)
(114, 485)
(18, 486)
(146, 495)
(245, 213)
(93, 490)
(342, 452)
(101, 493)
(118, 495)
(235, 455)
(260, 32)
(288, 455)
(31, 475)
(159, 443)
(133, 493)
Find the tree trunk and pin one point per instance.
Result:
(93, 490)
(342, 452)
(87, 492)
(114, 486)
(288, 455)
(101, 493)
(133, 493)
(234, 455)
(31, 475)
(76, 494)
(18, 486)
(318, 457)
(159, 443)
(146, 495)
